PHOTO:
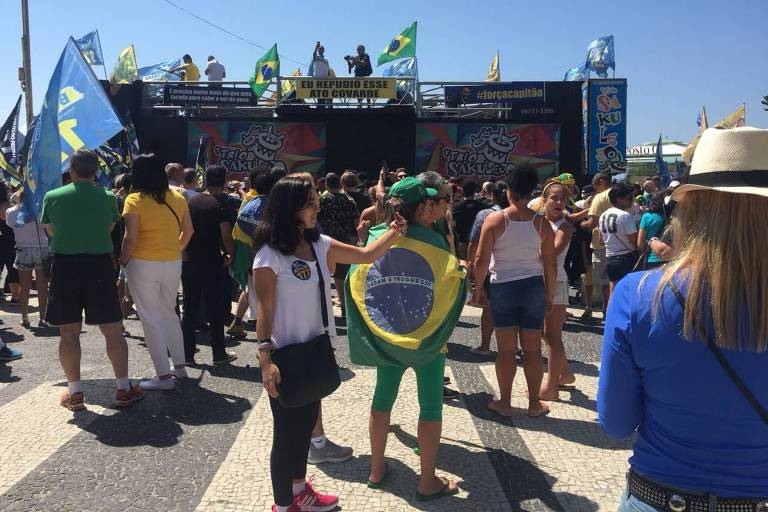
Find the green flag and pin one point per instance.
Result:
(267, 68)
(402, 308)
(403, 45)
(126, 70)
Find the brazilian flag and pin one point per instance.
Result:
(402, 308)
(403, 45)
(267, 68)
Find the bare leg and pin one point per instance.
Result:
(486, 329)
(69, 350)
(42, 292)
(506, 367)
(340, 291)
(534, 370)
(378, 430)
(319, 430)
(117, 349)
(553, 337)
(429, 444)
(242, 306)
(25, 284)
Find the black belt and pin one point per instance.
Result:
(671, 500)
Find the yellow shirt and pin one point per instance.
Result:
(600, 203)
(158, 228)
(191, 73)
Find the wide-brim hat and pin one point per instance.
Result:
(729, 160)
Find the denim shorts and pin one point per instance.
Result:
(520, 303)
(31, 258)
(620, 266)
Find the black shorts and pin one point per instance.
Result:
(619, 266)
(83, 282)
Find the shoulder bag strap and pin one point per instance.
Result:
(173, 212)
(743, 389)
(323, 305)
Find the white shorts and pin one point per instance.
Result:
(560, 296)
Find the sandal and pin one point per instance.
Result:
(444, 491)
(377, 485)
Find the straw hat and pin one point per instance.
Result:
(733, 160)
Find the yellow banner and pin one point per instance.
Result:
(344, 88)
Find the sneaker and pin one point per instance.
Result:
(331, 452)
(291, 508)
(45, 325)
(126, 397)
(236, 331)
(227, 359)
(310, 500)
(449, 393)
(157, 384)
(8, 354)
(587, 313)
(72, 402)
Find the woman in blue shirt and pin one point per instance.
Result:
(651, 226)
(702, 442)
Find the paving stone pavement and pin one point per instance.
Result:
(205, 445)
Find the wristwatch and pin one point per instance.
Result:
(650, 240)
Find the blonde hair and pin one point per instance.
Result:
(722, 254)
(539, 207)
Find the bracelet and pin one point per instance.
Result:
(264, 344)
(651, 240)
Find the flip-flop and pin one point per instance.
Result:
(566, 387)
(445, 491)
(377, 485)
(540, 414)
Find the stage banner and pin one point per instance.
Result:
(606, 108)
(241, 147)
(184, 94)
(341, 88)
(487, 151)
(499, 92)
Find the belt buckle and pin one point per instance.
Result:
(676, 503)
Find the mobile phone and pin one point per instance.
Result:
(384, 165)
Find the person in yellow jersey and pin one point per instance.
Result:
(598, 275)
(190, 69)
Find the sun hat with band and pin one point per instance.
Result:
(411, 190)
(733, 160)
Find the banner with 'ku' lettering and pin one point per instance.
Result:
(402, 308)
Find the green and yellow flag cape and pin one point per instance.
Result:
(402, 308)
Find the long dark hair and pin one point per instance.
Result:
(279, 228)
(149, 177)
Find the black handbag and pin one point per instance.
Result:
(308, 371)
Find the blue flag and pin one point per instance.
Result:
(90, 46)
(159, 72)
(404, 67)
(76, 113)
(662, 165)
(600, 56)
(577, 74)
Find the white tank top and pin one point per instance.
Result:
(561, 275)
(516, 254)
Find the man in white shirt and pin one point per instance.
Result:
(320, 68)
(618, 231)
(215, 70)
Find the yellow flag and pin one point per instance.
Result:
(286, 87)
(126, 70)
(493, 70)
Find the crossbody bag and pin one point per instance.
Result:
(308, 371)
(743, 389)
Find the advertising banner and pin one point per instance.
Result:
(606, 108)
(346, 88)
(183, 94)
(487, 151)
(498, 92)
(241, 147)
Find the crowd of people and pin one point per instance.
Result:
(524, 249)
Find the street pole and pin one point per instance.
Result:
(27, 62)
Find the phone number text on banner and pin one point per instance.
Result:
(342, 88)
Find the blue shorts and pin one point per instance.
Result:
(519, 303)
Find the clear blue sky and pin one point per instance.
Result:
(676, 54)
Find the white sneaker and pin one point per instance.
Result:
(179, 372)
(157, 384)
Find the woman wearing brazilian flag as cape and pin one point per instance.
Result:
(401, 310)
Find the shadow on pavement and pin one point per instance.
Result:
(6, 369)
(156, 420)
(461, 353)
(456, 459)
(580, 326)
(7, 336)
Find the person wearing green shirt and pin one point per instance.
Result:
(79, 218)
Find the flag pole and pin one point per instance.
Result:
(103, 62)
(27, 59)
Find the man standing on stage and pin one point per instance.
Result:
(360, 62)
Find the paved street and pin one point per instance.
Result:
(205, 446)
